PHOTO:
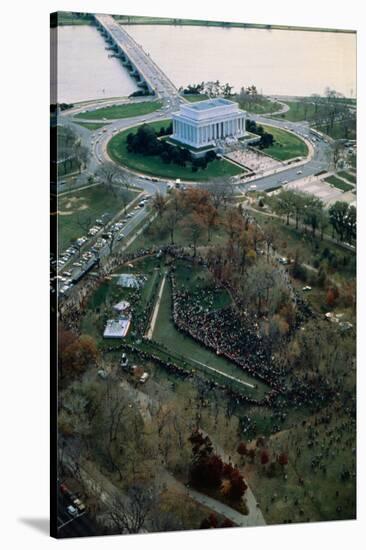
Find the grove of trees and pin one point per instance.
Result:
(146, 142)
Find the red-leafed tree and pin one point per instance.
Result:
(242, 448)
(207, 472)
(264, 457)
(282, 459)
(237, 486)
(331, 297)
(213, 520)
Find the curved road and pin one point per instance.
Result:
(97, 140)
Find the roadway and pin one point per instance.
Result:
(96, 141)
(318, 162)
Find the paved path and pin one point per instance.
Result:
(223, 374)
(254, 516)
(150, 332)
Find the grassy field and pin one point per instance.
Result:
(182, 349)
(121, 111)
(260, 106)
(340, 184)
(300, 110)
(193, 278)
(305, 109)
(153, 165)
(287, 146)
(80, 207)
(310, 251)
(91, 125)
(346, 175)
(68, 18)
(192, 98)
(322, 491)
(157, 234)
(338, 131)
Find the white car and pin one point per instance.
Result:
(102, 374)
(72, 511)
(299, 172)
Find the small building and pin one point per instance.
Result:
(130, 280)
(116, 328)
(204, 123)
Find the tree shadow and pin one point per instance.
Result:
(39, 524)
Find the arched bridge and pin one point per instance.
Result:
(136, 60)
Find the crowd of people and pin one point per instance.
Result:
(225, 333)
(221, 330)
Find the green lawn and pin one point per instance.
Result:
(153, 165)
(259, 106)
(340, 184)
(91, 125)
(80, 207)
(121, 111)
(305, 109)
(287, 145)
(68, 18)
(192, 98)
(346, 175)
(311, 251)
(300, 110)
(338, 131)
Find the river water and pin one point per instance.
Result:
(84, 69)
(276, 61)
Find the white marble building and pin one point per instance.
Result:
(203, 123)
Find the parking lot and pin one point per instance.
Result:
(83, 254)
(321, 189)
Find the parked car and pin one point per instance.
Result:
(102, 374)
(144, 377)
(124, 360)
(72, 510)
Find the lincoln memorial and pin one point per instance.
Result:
(203, 123)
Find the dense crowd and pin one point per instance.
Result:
(224, 332)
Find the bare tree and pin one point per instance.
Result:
(221, 191)
(110, 176)
(129, 513)
(159, 204)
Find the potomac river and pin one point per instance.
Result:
(282, 62)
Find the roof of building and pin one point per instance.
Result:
(116, 328)
(209, 109)
(210, 104)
